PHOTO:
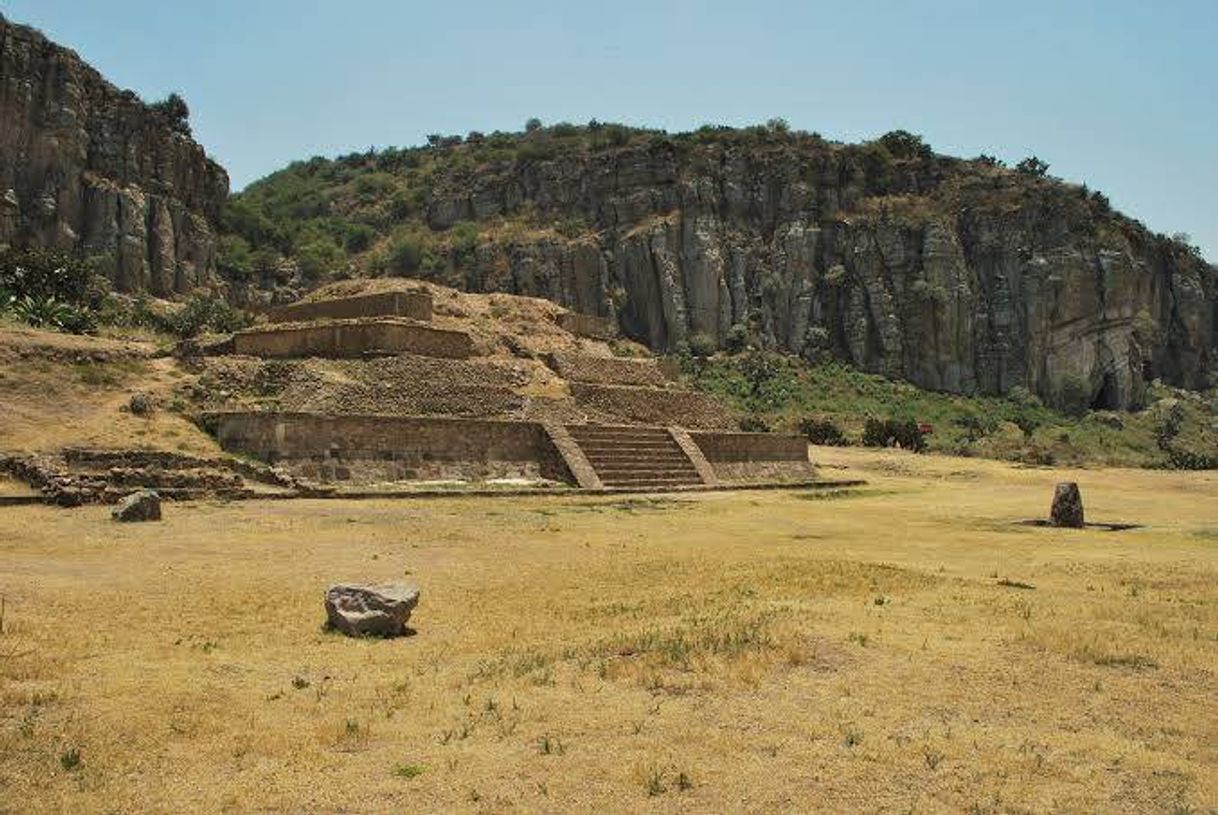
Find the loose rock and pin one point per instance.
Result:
(144, 505)
(1067, 506)
(141, 404)
(370, 610)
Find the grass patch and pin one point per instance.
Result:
(409, 770)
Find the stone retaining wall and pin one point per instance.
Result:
(588, 325)
(353, 338)
(413, 304)
(367, 449)
(755, 457)
(651, 406)
(719, 447)
(607, 370)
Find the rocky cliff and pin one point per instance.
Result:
(90, 168)
(963, 276)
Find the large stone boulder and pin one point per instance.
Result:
(144, 505)
(370, 610)
(1067, 506)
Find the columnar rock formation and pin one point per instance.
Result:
(90, 168)
(959, 276)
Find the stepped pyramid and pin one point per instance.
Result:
(362, 387)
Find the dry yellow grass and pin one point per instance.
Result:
(53, 395)
(727, 652)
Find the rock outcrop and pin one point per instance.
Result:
(90, 168)
(962, 276)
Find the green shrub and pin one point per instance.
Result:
(905, 145)
(610, 135)
(536, 150)
(903, 433)
(823, 431)
(47, 312)
(1032, 166)
(1073, 396)
(405, 255)
(976, 426)
(44, 274)
(174, 111)
(737, 338)
(702, 345)
(1169, 426)
(359, 238)
(753, 424)
(318, 256)
(1180, 459)
(234, 255)
(202, 313)
(405, 203)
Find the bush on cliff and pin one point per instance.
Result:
(175, 112)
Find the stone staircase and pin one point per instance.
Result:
(635, 457)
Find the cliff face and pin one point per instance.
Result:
(962, 276)
(957, 276)
(87, 167)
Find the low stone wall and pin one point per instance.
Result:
(719, 447)
(353, 338)
(368, 449)
(413, 304)
(588, 325)
(750, 457)
(607, 370)
(653, 406)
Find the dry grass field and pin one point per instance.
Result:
(903, 648)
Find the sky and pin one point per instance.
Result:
(1119, 94)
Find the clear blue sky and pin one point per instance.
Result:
(1120, 94)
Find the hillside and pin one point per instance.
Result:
(957, 275)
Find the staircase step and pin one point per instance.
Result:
(637, 461)
(617, 434)
(632, 477)
(635, 457)
(618, 444)
(632, 452)
(641, 485)
(665, 440)
(676, 472)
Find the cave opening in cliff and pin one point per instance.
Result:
(1109, 395)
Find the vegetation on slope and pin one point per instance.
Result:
(834, 404)
(49, 289)
(367, 213)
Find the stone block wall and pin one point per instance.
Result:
(607, 370)
(588, 325)
(415, 305)
(752, 457)
(652, 406)
(719, 447)
(366, 449)
(353, 338)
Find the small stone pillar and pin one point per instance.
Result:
(1067, 506)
